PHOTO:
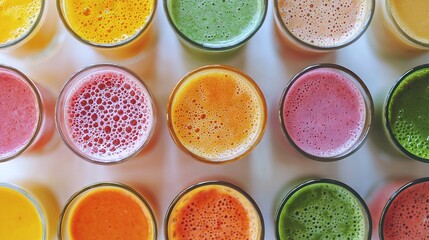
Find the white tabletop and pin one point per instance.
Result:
(164, 170)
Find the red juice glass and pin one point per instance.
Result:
(326, 112)
(105, 114)
(27, 114)
(406, 214)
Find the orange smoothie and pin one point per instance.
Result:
(217, 114)
(213, 211)
(108, 212)
(20, 217)
(108, 24)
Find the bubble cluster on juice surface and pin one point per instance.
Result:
(324, 23)
(211, 213)
(322, 211)
(109, 213)
(217, 114)
(18, 17)
(324, 113)
(109, 115)
(408, 215)
(216, 23)
(108, 22)
(408, 113)
(19, 113)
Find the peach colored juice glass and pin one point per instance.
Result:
(214, 210)
(119, 29)
(320, 26)
(216, 114)
(28, 27)
(107, 211)
(27, 114)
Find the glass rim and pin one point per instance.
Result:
(59, 113)
(314, 47)
(253, 85)
(392, 199)
(34, 202)
(387, 103)
(401, 31)
(130, 40)
(365, 209)
(40, 109)
(64, 213)
(369, 108)
(214, 48)
(30, 31)
(192, 187)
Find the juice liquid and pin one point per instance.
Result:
(216, 25)
(324, 113)
(213, 211)
(217, 114)
(121, 25)
(20, 216)
(322, 25)
(407, 214)
(322, 210)
(28, 26)
(407, 113)
(108, 114)
(27, 114)
(108, 212)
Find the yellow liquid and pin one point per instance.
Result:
(19, 218)
(412, 17)
(217, 114)
(108, 22)
(17, 17)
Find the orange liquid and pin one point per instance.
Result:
(213, 212)
(110, 213)
(217, 114)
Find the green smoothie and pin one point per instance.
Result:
(322, 210)
(216, 24)
(408, 113)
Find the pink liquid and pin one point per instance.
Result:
(324, 23)
(378, 200)
(408, 215)
(324, 113)
(109, 115)
(19, 113)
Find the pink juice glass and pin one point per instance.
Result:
(27, 114)
(105, 114)
(326, 112)
(406, 214)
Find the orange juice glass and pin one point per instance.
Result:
(107, 211)
(28, 27)
(217, 114)
(117, 29)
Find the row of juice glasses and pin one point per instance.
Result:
(106, 114)
(123, 29)
(305, 209)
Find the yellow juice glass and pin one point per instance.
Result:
(117, 29)
(402, 26)
(21, 217)
(28, 27)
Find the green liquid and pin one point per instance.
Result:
(322, 211)
(216, 23)
(408, 113)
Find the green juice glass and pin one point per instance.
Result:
(406, 113)
(323, 209)
(215, 26)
